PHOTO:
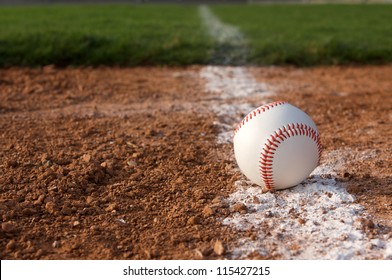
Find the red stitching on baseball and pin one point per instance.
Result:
(258, 111)
(272, 144)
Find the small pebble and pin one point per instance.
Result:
(241, 208)
(86, 158)
(207, 211)
(8, 226)
(194, 220)
(50, 207)
(111, 207)
(219, 249)
(301, 221)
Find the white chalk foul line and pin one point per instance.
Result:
(231, 46)
(318, 219)
(228, 84)
(222, 32)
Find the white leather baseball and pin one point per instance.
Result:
(277, 145)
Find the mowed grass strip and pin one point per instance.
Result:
(124, 35)
(313, 34)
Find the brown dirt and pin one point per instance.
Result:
(122, 164)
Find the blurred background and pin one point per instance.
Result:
(188, 32)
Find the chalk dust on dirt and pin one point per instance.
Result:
(318, 219)
(351, 107)
(113, 163)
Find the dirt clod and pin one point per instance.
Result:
(86, 158)
(194, 220)
(8, 227)
(241, 208)
(50, 207)
(219, 248)
(208, 211)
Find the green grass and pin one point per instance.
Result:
(122, 35)
(314, 34)
(129, 35)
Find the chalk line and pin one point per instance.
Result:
(317, 219)
(229, 83)
(231, 46)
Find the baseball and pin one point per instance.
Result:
(277, 146)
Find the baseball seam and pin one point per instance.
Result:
(272, 144)
(258, 111)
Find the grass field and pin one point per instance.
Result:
(129, 35)
(101, 34)
(314, 34)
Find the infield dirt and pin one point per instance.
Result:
(110, 163)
